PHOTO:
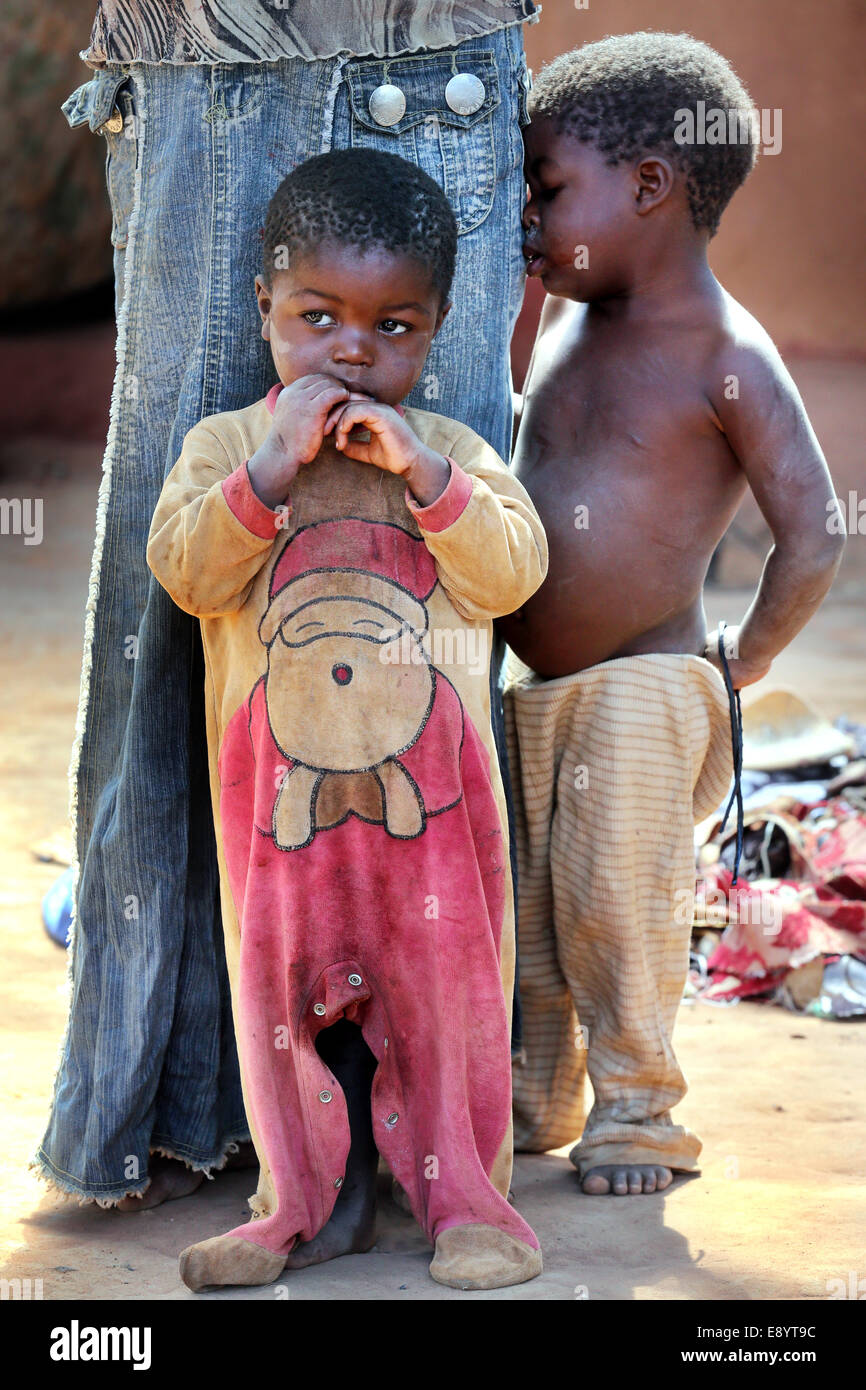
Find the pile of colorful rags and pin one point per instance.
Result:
(793, 926)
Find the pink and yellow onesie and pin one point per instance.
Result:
(360, 817)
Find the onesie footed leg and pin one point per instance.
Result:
(228, 1260)
(352, 1227)
(482, 1257)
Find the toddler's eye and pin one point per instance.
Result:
(549, 193)
(315, 316)
(393, 327)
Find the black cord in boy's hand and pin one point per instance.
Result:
(743, 670)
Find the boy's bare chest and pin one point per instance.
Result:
(604, 403)
(617, 439)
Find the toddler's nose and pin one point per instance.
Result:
(354, 348)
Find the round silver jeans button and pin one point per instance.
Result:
(387, 104)
(465, 93)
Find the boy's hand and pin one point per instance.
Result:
(743, 672)
(394, 447)
(304, 413)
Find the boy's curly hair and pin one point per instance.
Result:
(366, 199)
(623, 95)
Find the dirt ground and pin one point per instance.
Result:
(778, 1211)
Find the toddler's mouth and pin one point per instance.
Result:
(357, 390)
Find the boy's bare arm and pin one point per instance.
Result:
(766, 425)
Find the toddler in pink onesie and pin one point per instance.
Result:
(346, 558)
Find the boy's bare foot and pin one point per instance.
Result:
(352, 1227)
(624, 1180)
(170, 1179)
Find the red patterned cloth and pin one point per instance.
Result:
(774, 925)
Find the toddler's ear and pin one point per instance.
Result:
(264, 300)
(442, 315)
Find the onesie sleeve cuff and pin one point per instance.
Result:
(449, 505)
(249, 509)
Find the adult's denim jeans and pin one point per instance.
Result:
(149, 1061)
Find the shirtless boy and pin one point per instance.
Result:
(653, 401)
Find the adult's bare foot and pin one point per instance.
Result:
(245, 1157)
(169, 1179)
(626, 1180)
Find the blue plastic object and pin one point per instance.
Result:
(57, 908)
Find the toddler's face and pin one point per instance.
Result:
(366, 319)
(580, 218)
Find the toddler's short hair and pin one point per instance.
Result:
(366, 199)
(623, 95)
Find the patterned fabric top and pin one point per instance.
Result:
(260, 31)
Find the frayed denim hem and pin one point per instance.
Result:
(65, 1185)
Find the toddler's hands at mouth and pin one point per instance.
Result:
(392, 446)
(304, 413)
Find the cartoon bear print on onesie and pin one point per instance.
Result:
(334, 635)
